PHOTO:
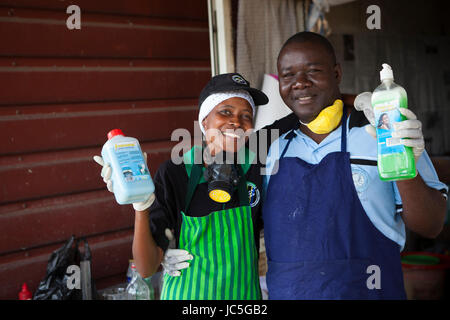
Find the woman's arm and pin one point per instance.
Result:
(146, 254)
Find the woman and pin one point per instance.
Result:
(383, 122)
(217, 255)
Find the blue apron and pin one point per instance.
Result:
(320, 244)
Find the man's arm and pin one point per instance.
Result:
(423, 207)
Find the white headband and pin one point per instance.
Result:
(214, 99)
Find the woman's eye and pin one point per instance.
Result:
(314, 70)
(225, 111)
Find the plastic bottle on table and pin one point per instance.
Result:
(129, 271)
(25, 294)
(130, 176)
(395, 161)
(137, 289)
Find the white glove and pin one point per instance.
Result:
(106, 175)
(363, 102)
(175, 260)
(409, 131)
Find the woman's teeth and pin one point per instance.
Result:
(232, 135)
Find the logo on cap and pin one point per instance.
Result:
(238, 79)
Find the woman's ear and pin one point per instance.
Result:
(204, 123)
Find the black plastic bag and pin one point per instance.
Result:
(54, 285)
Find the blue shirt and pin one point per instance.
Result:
(380, 199)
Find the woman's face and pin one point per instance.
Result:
(385, 120)
(226, 125)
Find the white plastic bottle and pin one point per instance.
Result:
(137, 289)
(129, 271)
(131, 180)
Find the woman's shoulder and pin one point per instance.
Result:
(170, 169)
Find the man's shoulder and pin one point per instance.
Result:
(284, 124)
(357, 119)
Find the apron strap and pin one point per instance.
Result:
(194, 178)
(242, 188)
(290, 136)
(344, 130)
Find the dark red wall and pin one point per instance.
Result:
(136, 65)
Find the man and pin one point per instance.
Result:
(333, 229)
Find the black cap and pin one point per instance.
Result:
(230, 82)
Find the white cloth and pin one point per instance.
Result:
(275, 109)
(262, 28)
(214, 99)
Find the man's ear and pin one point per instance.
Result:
(338, 72)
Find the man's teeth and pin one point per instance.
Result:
(304, 98)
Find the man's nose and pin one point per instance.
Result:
(302, 81)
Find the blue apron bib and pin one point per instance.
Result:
(320, 244)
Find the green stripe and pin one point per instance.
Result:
(183, 245)
(229, 266)
(212, 239)
(253, 258)
(178, 282)
(170, 288)
(190, 249)
(239, 253)
(256, 292)
(245, 259)
(198, 275)
(253, 263)
(206, 257)
(235, 257)
(220, 233)
(164, 288)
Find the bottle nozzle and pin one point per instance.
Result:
(386, 73)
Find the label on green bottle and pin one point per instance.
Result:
(386, 114)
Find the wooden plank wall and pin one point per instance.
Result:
(137, 65)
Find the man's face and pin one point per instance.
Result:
(309, 79)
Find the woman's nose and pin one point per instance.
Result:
(234, 121)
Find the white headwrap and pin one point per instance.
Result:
(214, 99)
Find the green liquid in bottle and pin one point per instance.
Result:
(395, 161)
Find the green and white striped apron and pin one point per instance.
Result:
(225, 263)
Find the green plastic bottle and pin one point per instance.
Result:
(395, 161)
